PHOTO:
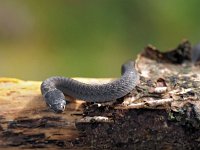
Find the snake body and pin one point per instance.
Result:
(54, 88)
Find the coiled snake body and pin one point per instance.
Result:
(54, 88)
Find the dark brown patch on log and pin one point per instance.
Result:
(140, 129)
(44, 122)
(177, 56)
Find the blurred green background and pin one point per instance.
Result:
(88, 38)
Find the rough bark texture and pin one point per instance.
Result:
(163, 112)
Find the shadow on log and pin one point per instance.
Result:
(162, 112)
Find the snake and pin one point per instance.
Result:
(55, 88)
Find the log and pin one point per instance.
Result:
(162, 112)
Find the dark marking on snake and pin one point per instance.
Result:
(54, 88)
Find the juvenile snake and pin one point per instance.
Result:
(54, 88)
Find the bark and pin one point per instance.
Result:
(162, 112)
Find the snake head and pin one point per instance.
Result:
(55, 99)
(58, 107)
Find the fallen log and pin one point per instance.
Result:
(162, 112)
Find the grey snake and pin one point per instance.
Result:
(54, 88)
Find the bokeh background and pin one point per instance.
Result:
(88, 38)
